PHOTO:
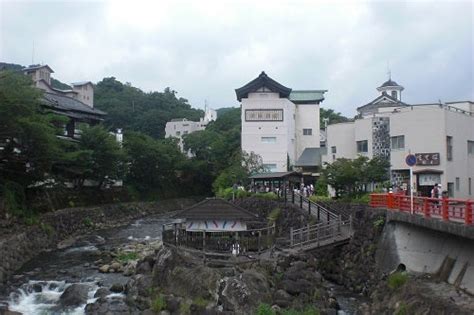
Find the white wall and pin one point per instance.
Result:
(342, 136)
(307, 117)
(363, 131)
(178, 129)
(253, 131)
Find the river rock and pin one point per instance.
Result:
(101, 292)
(116, 266)
(104, 268)
(116, 288)
(74, 295)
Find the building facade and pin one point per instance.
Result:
(441, 136)
(179, 127)
(279, 123)
(77, 104)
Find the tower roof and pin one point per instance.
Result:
(389, 83)
(263, 80)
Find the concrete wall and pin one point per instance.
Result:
(424, 250)
(363, 131)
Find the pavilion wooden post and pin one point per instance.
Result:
(309, 207)
(204, 240)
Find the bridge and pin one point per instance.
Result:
(428, 235)
(331, 228)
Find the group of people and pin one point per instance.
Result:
(305, 190)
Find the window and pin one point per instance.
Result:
(362, 146)
(458, 183)
(178, 133)
(269, 139)
(185, 132)
(270, 167)
(470, 147)
(451, 189)
(307, 132)
(394, 94)
(333, 150)
(449, 148)
(398, 142)
(469, 186)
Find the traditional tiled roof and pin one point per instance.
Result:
(383, 100)
(36, 67)
(274, 175)
(67, 104)
(263, 80)
(307, 96)
(216, 209)
(81, 83)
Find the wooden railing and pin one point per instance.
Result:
(255, 240)
(446, 209)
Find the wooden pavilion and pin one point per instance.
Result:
(217, 225)
(277, 180)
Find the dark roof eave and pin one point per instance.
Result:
(262, 80)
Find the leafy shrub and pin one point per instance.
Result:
(310, 310)
(265, 309)
(379, 222)
(158, 304)
(316, 198)
(321, 188)
(243, 194)
(87, 222)
(396, 280)
(274, 215)
(200, 301)
(225, 193)
(14, 196)
(267, 196)
(48, 229)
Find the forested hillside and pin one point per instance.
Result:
(132, 109)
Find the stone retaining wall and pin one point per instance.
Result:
(23, 243)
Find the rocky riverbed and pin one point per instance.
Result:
(127, 270)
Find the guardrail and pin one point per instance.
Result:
(445, 209)
(318, 233)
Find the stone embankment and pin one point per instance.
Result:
(20, 243)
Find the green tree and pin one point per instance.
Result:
(154, 165)
(29, 147)
(332, 116)
(101, 156)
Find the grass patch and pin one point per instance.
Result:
(124, 257)
(200, 301)
(265, 309)
(185, 308)
(309, 310)
(87, 222)
(158, 303)
(379, 223)
(267, 196)
(402, 309)
(48, 229)
(396, 280)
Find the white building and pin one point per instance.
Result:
(279, 124)
(440, 135)
(179, 127)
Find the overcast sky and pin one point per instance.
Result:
(206, 49)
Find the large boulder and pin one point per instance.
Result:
(74, 295)
(243, 294)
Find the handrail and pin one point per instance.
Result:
(321, 212)
(446, 209)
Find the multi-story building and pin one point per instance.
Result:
(441, 136)
(179, 127)
(280, 124)
(77, 103)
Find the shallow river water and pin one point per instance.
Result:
(36, 288)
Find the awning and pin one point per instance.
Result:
(311, 157)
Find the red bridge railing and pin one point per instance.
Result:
(446, 209)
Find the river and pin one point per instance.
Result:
(36, 288)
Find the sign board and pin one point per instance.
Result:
(428, 179)
(410, 160)
(427, 158)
